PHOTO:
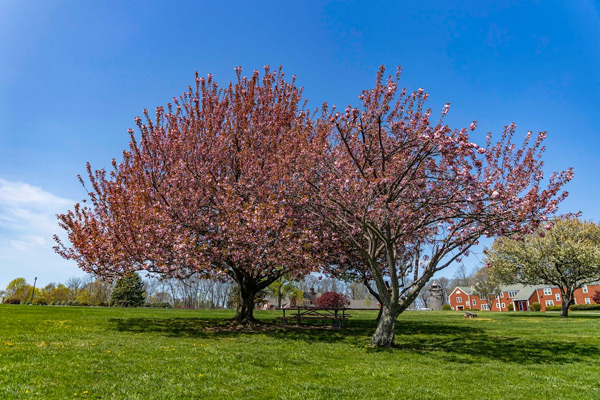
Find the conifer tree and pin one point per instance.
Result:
(128, 292)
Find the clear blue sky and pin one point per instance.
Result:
(74, 74)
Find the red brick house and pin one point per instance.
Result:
(520, 296)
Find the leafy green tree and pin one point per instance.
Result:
(565, 253)
(19, 289)
(281, 288)
(59, 294)
(128, 292)
(95, 293)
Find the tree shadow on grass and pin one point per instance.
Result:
(477, 345)
(214, 328)
(452, 343)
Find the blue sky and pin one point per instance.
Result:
(73, 75)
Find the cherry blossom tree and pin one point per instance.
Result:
(410, 196)
(203, 191)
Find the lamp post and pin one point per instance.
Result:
(33, 291)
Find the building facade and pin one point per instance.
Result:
(518, 297)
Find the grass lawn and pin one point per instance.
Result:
(79, 352)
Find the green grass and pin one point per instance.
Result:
(55, 352)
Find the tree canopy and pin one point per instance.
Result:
(409, 195)
(203, 191)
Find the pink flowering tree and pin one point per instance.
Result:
(203, 190)
(332, 299)
(409, 195)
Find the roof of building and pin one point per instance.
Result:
(510, 288)
(525, 293)
(467, 290)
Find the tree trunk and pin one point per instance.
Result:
(564, 309)
(279, 298)
(384, 334)
(379, 314)
(245, 308)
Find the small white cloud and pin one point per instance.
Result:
(27, 223)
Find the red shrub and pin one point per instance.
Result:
(332, 299)
(596, 297)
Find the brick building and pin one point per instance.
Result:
(520, 296)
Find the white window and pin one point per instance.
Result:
(457, 291)
(549, 303)
(502, 294)
(548, 291)
(512, 293)
(503, 306)
(557, 297)
(484, 307)
(587, 300)
(474, 302)
(452, 308)
(584, 288)
(459, 299)
(497, 305)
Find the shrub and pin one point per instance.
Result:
(511, 307)
(475, 309)
(581, 307)
(596, 297)
(158, 305)
(446, 307)
(535, 306)
(40, 301)
(332, 299)
(11, 300)
(553, 308)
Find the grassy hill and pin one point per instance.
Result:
(78, 352)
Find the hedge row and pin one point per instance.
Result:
(576, 307)
(580, 307)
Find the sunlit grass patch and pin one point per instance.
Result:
(55, 352)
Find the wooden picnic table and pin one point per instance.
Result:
(336, 314)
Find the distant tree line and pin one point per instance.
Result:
(193, 293)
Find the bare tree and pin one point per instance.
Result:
(75, 286)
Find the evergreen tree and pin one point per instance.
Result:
(128, 292)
